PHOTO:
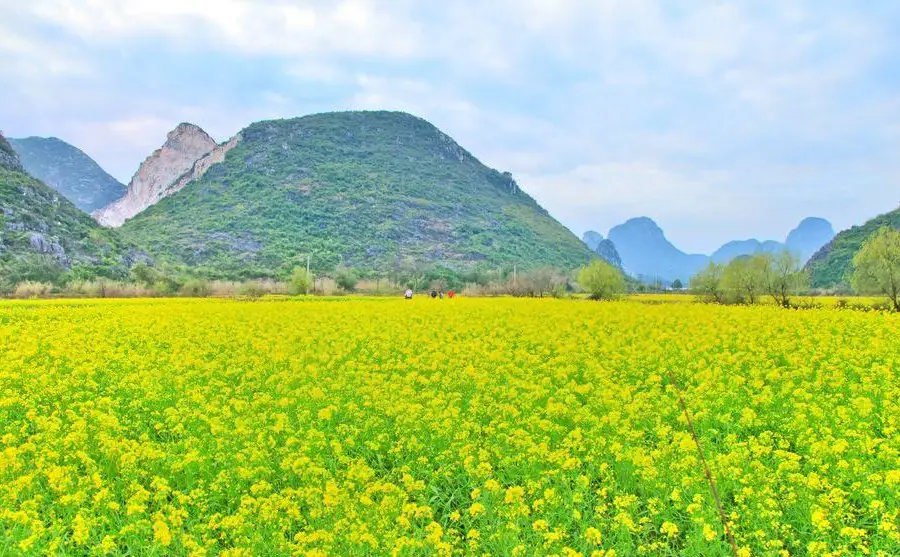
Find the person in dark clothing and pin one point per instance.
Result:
(433, 294)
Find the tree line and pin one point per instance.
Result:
(780, 276)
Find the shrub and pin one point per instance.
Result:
(301, 281)
(601, 281)
(345, 279)
(196, 288)
(253, 290)
(32, 289)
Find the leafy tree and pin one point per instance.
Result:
(345, 279)
(301, 281)
(144, 274)
(744, 280)
(877, 266)
(601, 280)
(677, 284)
(707, 284)
(784, 276)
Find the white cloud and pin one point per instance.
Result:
(277, 27)
(699, 115)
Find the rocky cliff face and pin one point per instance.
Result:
(8, 157)
(203, 164)
(159, 173)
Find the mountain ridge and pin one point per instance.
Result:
(372, 190)
(68, 170)
(647, 254)
(831, 266)
(43, 234)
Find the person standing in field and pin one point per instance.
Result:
(408, 294)
(433, 294)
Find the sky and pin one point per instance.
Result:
(720, 120)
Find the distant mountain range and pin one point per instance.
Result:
(373, 190)
(647, 254)
(68, 170)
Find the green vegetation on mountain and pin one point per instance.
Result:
(69, 171)
(374, 191)
(44, 237)
(832, 266)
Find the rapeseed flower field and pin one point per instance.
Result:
(471, 426)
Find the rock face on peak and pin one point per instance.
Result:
(602, 247)
(382, 192)
(8, 157)
(69, 171)
(160, 173)
(647, 254)
(810, 235)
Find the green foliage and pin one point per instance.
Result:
(345, 279)
(744, 280)
(301, 281)
(601, 280)
(877, 266)
(30, 267)
(381, 192)
(707, 284)
(785, 276)
(833, 265)
(34, 217)
(677, 284)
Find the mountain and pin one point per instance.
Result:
(809, 237)
(167, 170)
(648, 255)
(831, 266)
(68, 170)
(602, 247)
(376, 191)
(738, 248)
(42, 234)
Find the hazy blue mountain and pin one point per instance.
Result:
(602, 247)
(69, 171)
(810, 236)
(648, 255)
(738, 248)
